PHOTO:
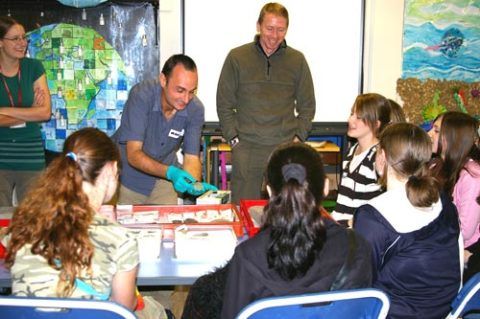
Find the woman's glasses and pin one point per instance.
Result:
(17, 39)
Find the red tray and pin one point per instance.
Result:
(245, 204)
(3, 223)
(237, 224)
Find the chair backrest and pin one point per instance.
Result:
(33, 307)
(355, 303)
(467, 300)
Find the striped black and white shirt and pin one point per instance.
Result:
(359, 182)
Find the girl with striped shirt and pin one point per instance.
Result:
(369, 116)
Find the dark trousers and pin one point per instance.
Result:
(248, 168)
(473, 264)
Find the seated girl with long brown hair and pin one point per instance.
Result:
(457, 165)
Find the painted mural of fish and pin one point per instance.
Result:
(452, 41)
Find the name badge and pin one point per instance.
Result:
(176, 134)
(21, 125)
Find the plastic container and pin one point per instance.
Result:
(248, 223)
(197, 242)
(246, 204)
(3, 250)
(168, 210)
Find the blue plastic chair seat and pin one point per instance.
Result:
(467, 302)
(357, 303)
(50, 308)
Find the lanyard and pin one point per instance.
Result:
(9, 93)
(83, 286)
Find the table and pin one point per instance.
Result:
(165, 271)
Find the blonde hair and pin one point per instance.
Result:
(275, 8)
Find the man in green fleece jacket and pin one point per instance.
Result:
(265, 97)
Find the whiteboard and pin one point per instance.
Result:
(328, 33)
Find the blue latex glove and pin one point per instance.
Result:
(182, 181)
(209, 187)
(198, 189)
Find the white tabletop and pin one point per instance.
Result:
(165, 271)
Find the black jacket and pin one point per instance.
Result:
(250, 278)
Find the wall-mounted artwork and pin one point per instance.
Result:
(441, 58)
(92, 57)
(87, 79)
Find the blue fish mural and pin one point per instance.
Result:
(451, 43)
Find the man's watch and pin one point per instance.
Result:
(234, 141)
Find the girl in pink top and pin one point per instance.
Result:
(465, 196)
(455, 141)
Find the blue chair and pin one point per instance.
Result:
(53, 308)
(467, 302)
(356, 303)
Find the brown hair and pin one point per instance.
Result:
(6, 23)
(396, 112)
(176, 59)
(56, 214)
(275, 8)
(408, 149)
(457, 144)
(373, 107)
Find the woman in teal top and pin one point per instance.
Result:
(24, 101)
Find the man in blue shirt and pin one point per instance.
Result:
(159, 117)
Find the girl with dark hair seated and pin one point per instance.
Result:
(414, 232)
(299, 249)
